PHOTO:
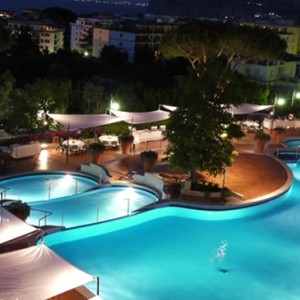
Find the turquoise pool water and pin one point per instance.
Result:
(46, 186)
(179, 253)
(293, 143)
(68, 198)
(92, 206)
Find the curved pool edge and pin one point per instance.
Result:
(43, 172)
(244, 203)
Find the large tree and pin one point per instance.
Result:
(200, 131)
(40, 97)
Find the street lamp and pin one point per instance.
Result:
(113, 105)
(277, 101)
(296, 95)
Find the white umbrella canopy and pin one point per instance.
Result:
(37, 273)
(142, 117)
(11, 227)
(247, 108)
(243, 109)
(74, 122)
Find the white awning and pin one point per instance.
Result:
(74, 122)
(246, 108)
(11, 227)
(37, 273)
(243, 109)
(168, 107)
(142, 117)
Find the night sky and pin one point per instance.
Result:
(75, 6)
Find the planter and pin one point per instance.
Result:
(175, 190)
(277, 137)
(261, 139)
(198, 194)
(96, 157)
(96, 150)
(149, 159)
(278, 131)
(126, 141)
(215, 195)
(260, 145)
(125, 147)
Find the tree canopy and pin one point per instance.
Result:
(200, 131)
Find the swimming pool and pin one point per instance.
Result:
(179, 253)
(292, 143)
(102, 204)
(287, 155)
(74, 200)
(46, 186)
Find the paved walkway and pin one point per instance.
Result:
(252, 175)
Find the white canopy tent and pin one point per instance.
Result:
(11, 227)
(142, 117)
(246, 109)
(37, 273)
(74, 122)
(243, 109)
(168, 107)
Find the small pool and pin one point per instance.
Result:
(179, 253)
(102, 204)
(287, 155)
(73, 200)
(46, 186)
(292, 143)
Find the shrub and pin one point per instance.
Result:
(205, 187)
(149, 155)
(260, 135)
(19, 209)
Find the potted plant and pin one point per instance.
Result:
(278, 131)
(175, 190)
(126, 141)
(149, 158)
(19, 209)
(96, 149)
(261, 139)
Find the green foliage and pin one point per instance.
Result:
(126, 137)
(260, 135)
(96, 148)
(200, 131)
(40, 96)
(7, 83)
(205, 186)
(280, 129)
(24, 43)
(4, 37)
(201, 42)
(149, 154)
(19, 209)
(93, 96)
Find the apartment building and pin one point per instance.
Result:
(283, 74)
(50, 38)
(92, 35)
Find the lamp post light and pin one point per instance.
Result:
(296, 95)
(277, 101)
(113, 105)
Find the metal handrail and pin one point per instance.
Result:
(3, 193)
(46, 215)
